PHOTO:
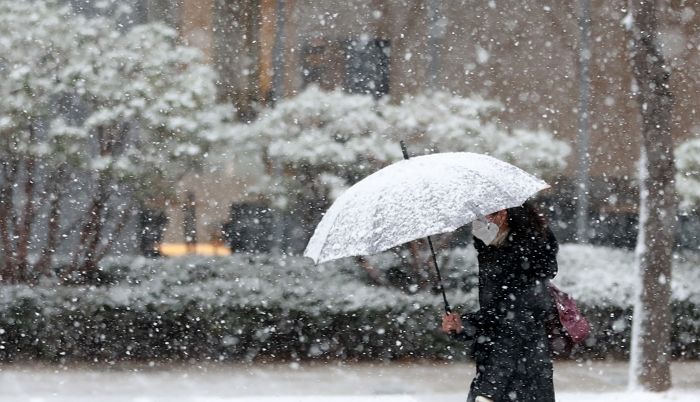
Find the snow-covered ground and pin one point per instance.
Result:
(425, 382)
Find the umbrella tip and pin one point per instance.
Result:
(404, 149)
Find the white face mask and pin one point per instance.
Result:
(485, 231)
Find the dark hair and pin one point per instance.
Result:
(527, 218)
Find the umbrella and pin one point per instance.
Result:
(416, 198)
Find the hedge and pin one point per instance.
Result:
(253, 307)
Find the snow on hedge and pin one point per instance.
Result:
(593, 275)
(245, 306)
(598, 276)
(291, 283)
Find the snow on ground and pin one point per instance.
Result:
(673, 396)
(562, 397)
(599, 381)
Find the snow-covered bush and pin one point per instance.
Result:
(312, 146)
(247, 307)
(93, 119)
(443, 122)
(329, 140)
(688, 175)
(316, 144)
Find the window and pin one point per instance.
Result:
(358, 66)
(367, 67)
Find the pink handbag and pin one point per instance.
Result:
(571, 323)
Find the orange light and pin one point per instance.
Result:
(205, 249)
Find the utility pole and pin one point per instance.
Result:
(436, 30)
(278, 228)
(583, 183)
(278, 52)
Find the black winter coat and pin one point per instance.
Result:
(510, 346)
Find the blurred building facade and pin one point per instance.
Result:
(523, 53)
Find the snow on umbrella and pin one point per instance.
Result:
(417, 198)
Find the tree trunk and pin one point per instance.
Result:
(91, 234)
(415, 261)
(53, 227)
(650, 352)
(374, 274)
(109, 139)
(7, 206)
(24, 230)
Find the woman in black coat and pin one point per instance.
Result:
(517, 257)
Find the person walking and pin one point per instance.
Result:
(517, 257)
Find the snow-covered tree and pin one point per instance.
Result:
(95, 118)
(650, 365)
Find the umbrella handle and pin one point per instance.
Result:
(448, 309)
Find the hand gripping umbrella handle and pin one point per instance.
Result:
(432, 250)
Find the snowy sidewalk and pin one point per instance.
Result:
(424, 382)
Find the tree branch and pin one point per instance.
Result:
(123, 220)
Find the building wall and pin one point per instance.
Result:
(196, 26)
(523, 53)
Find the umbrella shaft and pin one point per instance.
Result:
(439, 277)
(404, 150)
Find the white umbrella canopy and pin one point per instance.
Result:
(417, 198)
